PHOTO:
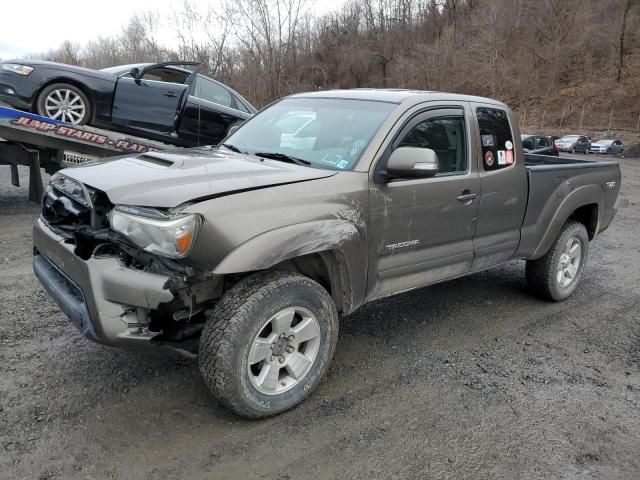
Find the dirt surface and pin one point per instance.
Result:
(470, 379)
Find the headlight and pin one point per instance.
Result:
(156, 232)
(17, 68)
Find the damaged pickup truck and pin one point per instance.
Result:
(248, 255)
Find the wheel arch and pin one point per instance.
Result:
(331, 252)
(584, 205)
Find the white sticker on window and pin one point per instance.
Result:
(502, 157)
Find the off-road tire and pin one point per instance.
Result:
(42, 96)
(542, 273)
(234, 322)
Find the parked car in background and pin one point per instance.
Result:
(614, 147)
(539, 144)
(574, 144)
(170, 102)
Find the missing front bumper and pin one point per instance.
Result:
(105, 300)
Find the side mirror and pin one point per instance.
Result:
(412, 162)
(135, 72)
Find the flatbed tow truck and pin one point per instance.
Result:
(40, 142)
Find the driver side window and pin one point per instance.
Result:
(443, 135)
(165, 75)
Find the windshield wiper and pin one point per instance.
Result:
(233, 148)
(283, 158)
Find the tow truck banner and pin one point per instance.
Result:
(90, 136)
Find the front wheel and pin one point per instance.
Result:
(64, 102)
(268, 342)
(555, 276)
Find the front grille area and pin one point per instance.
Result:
(66, 213)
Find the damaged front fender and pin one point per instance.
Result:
(276, 246)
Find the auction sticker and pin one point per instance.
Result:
(509, 157)
(487, 140)
(502, 157)
(488, 159)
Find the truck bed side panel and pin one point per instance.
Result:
(557, 188)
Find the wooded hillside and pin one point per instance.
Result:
(575, 62)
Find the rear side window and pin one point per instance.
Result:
(497, 139)
(212, 92)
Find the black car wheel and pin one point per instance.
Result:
(64, 102)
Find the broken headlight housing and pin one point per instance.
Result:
(71, 188)
(155, 231)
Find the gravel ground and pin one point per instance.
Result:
(470, 379)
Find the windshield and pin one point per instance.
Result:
(569, 138)
(326, 133)
(605, 142)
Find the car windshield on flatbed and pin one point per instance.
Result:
(320, 132)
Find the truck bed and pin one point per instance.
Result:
(554, 181)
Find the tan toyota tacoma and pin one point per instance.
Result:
(248, 254)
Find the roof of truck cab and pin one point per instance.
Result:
(393, 95)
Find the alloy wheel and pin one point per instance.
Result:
(283, 351)
(569, 262)
(65, 105)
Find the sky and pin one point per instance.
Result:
(41, 25)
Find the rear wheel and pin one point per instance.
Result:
(573, 149)
(64, 102)
(555, 276)
(268, 342)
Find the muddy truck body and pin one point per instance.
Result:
(248, 255)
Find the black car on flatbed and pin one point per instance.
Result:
(169, 102)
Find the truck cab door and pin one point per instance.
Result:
(503, 186)
(421, 229)
(151, 98)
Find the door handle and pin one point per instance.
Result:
(170, 95)
(467, 196)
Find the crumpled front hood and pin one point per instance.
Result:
(166, 180)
